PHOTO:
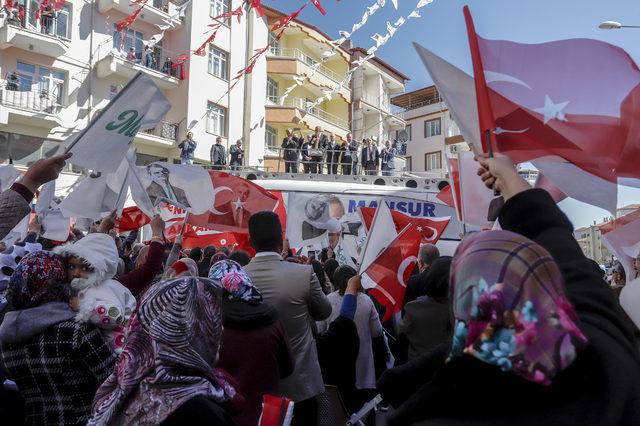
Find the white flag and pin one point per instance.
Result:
(104, 143)
(8, 175)
(476, 198)
(381, 234)
(98, 194)
(185, 186)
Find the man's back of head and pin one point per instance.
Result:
(265, 232)
(428, 254)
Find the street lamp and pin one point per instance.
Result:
(613, 25)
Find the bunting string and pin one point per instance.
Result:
(380, 40)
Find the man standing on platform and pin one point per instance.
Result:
(291, 145)
(237, 155)
(370, 158)
(187, 148)
(218, 155)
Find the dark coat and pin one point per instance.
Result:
(365, 155)
(255, 352)
(290, 147)
(426, 324)
(601, 387)
(199, 411)
(237, 154)
(218, 154)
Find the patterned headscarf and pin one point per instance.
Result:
(172, 345)
(236, 283)
(510, 308)
(218, 257)
(39, 278)
(182, 268)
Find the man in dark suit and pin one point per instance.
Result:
(333, 155)
(370, 158)
(291, 144)
(237, 155)
(349, 155)
(160, 187)
(427, 255)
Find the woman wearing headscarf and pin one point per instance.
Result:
(166, 373)
(255, 347)
(367, 324)
(57, 362)
(430, 307)
(184, 267)
(521, 354)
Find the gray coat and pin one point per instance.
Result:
(295, 292)
(13, 208)
(218, 154)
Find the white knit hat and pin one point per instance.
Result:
(98, 250)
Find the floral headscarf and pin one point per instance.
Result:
(236, 283)
(168, 358)
(510, 309)
(39, 278)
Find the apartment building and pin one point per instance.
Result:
(69, 68)
(432, 132)
(590, 241)
(372, 86)
(298, 55)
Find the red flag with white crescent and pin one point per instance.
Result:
(235, 200)
(430, 229)
(387, 276)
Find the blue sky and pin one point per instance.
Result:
(441, 29)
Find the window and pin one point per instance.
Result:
(46, 82)
(133, 39)
(273, 42)
(272, 90)
(432, 161)
(408, 166)
(271, 138)
(216, 119)
(25, 150)
(432, 128)
(407, 128)
(218, 64)
(63, 22)
(218, 7)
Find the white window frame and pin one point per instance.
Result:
(218, 63)
(431, 128)
(273, 88)
(432, 161)
(270, 138)
(44, 78)
(218, 7)
(134, 39)
(216, 119)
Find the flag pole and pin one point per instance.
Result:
(366, 243)
(135, 174)
(123, 188)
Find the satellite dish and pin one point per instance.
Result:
(403, 136)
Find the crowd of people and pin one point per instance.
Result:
(322, 153)
(518, 327)
(315, 153)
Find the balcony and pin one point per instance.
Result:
(32, 40)
(155, 12)
(296, 62)
(165, 135)
(29, 108)
(115, 63)
(295, 110)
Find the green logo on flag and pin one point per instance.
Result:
(128, 123)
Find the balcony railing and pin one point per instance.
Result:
(303, 105)
(309, 61)
(432, 101)
(36, 101)
(164, 130)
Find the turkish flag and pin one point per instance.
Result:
(235, 200)
(387, 276)
(132, 218)
(430, 230)
(578, 99)
(280, 210)
(622, 238)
